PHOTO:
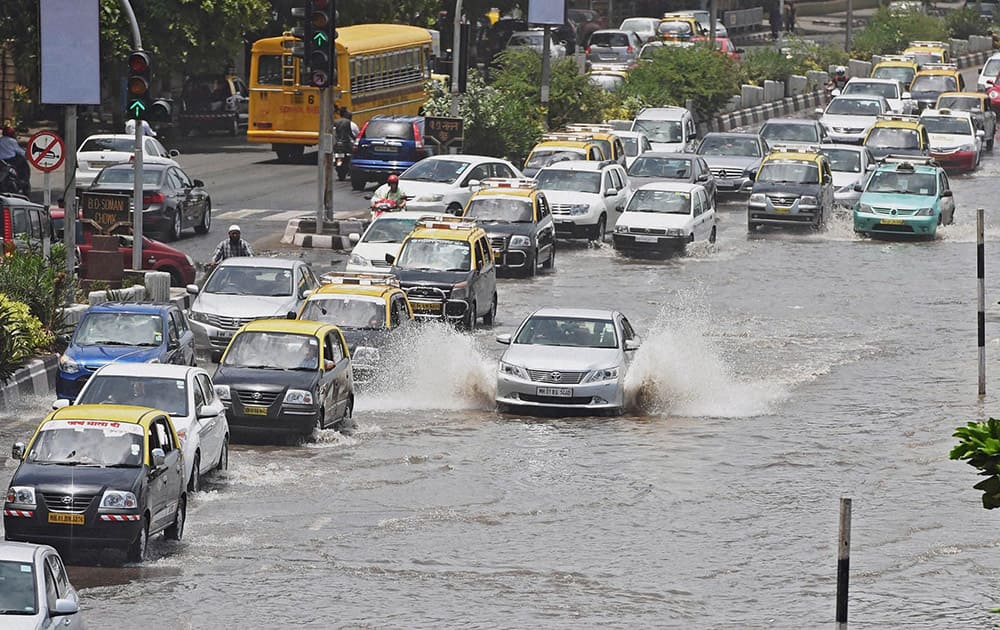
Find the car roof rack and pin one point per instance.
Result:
(522, 183)
(909, 160)
(938, 66)
(589, 127)
(565, 135)
(894, 58)
(359, 279)
(778, 148)
(923, 43)
(448, 223)
(900, 117)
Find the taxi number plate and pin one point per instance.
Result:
(891, 221)
(67, 519)
(782, 210)
(425, 308)
(561, 392)
(646, 239)
(255, 410)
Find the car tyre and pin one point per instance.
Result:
(321, 420)
(176, 531)
(206, 220)
(470, 317)
(137, 548)
(491, 315)
(751, 225)
(454, 209)
(234, 129)
(223, 456)
(600, 230)
(357, 182)
(712, 236)
(194, 484)
(176, 226)
(550, 264)
(346, 423)
(531, 268)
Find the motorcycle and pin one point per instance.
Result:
(11, 181)
(383, 205)
(342, 160)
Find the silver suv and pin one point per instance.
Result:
(584, 196)
(613, 46)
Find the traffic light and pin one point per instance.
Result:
(137, 98)
(298, 31)
(320, 31)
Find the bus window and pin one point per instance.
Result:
(269, 70)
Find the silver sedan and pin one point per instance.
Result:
(36, 592)
(567, 359)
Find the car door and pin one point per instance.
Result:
(211, 429)
(335, 381)
(175, 353)
(546, 230)
(697, 214)
(709, 181)
(627, 334)
(947, 198)
(63, 590)
(186, 336)
(196, 199)
(157, 477)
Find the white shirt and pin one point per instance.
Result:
(146, 129)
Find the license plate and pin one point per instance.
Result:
(498, 253)
(426, 308)
(66, 519)
(891, 222)
(385, 148)
(646, 239)
(561, 392)
(782, 210)
(255, 410)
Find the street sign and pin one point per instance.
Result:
(444, 132)
(46, 151)
(105, 211)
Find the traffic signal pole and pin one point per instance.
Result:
(137, 200)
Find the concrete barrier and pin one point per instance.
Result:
(751, 95)
(979, 43)
(858, 68)
(157, 286)
(795, 84)
(36, 378)
(958, 47)
(816, 79)
(131, 294)
(773, 91)
(753, 116)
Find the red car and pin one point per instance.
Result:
(994, 93)
(156, 256)
(724, 45)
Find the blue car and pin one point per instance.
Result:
(123, 332)
(385, 146)
(905, 196)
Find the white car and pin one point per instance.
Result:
(661, 218)
(102, 150)
(988, 74)
(535, 40)
(850, 165)
(899, 101)
(849, 117)
(955, 143)
(384, 236)
(644, 27)
(35, 591)
(444, 183)
(668, 128)
(185, 392)
(585, 196)
(566, 358)
(636, 143)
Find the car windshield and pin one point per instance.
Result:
(789, 173)
(165, 394)
(568, 331)
(395, 129)
(262, 281)
(432, 254)
(543, 157)
(660, 130)
(442, 171)
(776, 133)
(387, 230)
(17, 588)
(500, 209)
(991, 68)
(609, 82)
(631, 146)
(125, 145)
(897, 73)
(578, 181)
(272, 351)
(661, 201)
(87, 443)
(893, 138)
(346, 311)
(895, 181)
(661, 167)
(960, 103)
(947, 124)
(729, 145)
(638, 25)
(675, 29)
(888, 90)
(934, 83)
(854, 107)
(126, 175)
(120, 329)
(844, 160)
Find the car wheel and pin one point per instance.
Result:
(599, 230)
(137, 549)
(357, 182)
(751, 225)
(455, 209)
(223, 456)
(194, 484)
(491, 315)
(176, 531)
(346, 423)
(321, 420)
(551, 262)
(470, 317)
(711, 236)
(176, 228)
(206, 220)
(989, 143)
(531, 268)
(175, 276)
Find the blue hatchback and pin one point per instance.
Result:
(123, 332)
(385, 146)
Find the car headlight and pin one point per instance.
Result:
(430, 198)
(808, 201)
(757, 198)
(514, 370)
(925, 212)
(197, 316)
(21, 495)
(675, 232)
(118, 500)
(459, 291)
(608, 374)
(359, 260)
(520, 241)
(579, 209)
(621, 229)
(68, 365)
(222, 391)
(366, 355)
(864, 209)
(189, 259)
(967, 147)
(298, 397)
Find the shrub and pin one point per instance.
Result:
(979, 444)
(889, 34)
(21, 334)
(767, 64)
(675, 75)
(964, 22)
(41, 284)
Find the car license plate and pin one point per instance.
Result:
(66, 519)
(498, 253)
(255, 410)
(385, 148)
(891, 221)
(782, 210)
(646, 239)
(426, 307)
(560, 392)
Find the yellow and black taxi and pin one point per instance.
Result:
(518, 222)
(793, 186)
(896, 67)
(897, 135)
(286, 377)
(558, 147)
(608, 76)
(368, 309)
(98, 476)
(927, 52)
(679, 27)
(933, 80)
(611, 145)
(446, 268)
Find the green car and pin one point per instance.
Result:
(907, 196)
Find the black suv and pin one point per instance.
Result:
(518, 222)
(387, 145)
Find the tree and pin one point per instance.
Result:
(676, 75)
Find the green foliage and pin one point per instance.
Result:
(889, 34)
(676, 75)
(979, 443)
(39, 283)
(809, 55)
(20, 335)
(964, 22)
(767, 64)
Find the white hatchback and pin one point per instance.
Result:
(444, 183)
(102, 150)
(661, 218)
(384, 236)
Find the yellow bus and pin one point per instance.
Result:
(381, 69)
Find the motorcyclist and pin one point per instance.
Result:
(344, 133)
(390, 191)
(839, 78)
(12, 153)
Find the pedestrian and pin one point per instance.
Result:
(146, 129)
(790, 16)
(775, 19)
(231, 247)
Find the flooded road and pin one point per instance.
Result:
(778, 373)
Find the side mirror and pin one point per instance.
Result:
(17, 451)
(329, 365)
(61, 402)
(159, 458)
(906, 96)
(858, 188)
(198, 183)
(389, 258)
(989, 81)
(619, 208)
(504, 339)
(703, 177)
(472, 182)
(947, 193)
(173, 344)
(291, 315)
(871, 167)
(192, 289)
(65, 607)
(210, 410)
(818, 111)
(827, 179)
(304, 293)
(611, 192)
(632, 344)
(173, 153)
(62, 342)
(354, 238)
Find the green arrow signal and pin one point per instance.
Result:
(320, 38)
(136, 107)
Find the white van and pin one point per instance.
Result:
(668, 128)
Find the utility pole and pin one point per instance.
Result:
(546, 72)
(456, 47)
(321, 55)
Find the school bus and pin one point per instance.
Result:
(381, 69)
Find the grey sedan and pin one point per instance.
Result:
(36, 591)
(732, 158)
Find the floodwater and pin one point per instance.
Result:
(778, 373)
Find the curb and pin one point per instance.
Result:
(759, 113)
(36, 378)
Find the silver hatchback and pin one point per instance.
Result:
(613, 46)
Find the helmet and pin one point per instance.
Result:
(840, 70)
(234, 228)
(9, 131)
(393, 179)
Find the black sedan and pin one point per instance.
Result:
(171, 201)
(658, 166)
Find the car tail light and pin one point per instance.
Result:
(8, 231)
(587, 50)
(361, 134)
(630, 49)
(417, 137)
(154, 197)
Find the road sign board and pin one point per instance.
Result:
(46, 151)
(444, 131)
(105, 211)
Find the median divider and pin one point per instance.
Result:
(336, 233)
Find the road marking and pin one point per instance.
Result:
(262, 214)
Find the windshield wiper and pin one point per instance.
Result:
(121, 465)
(455, 269)
(149, 344)
(257, 367)
(108, 342)
(72, 463)
(15, 611)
